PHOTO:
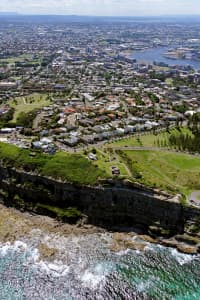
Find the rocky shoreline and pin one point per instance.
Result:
(16, 225)
(111, 207)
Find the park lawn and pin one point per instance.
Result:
(105, 161)
(169, 81)
(173, 172)
(22, 58)
(160, 68)
(29, 103)
(73, 168)
(9, 153)
(147, 139)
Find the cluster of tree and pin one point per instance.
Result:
(163, 143)
(194, 124)
(53, 122)
(138, 97)
(108, 76)
(3, 76)
(179, 81)
(26, 119)
(99, 94)
(26, 64)
(5, 118)
(131, 164)
(185, 141)
(154, 98)
(159, 76)
(46, 60)
(181, 108)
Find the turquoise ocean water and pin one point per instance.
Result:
(86, 269)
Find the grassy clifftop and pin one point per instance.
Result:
(173, 172)
(67, 167)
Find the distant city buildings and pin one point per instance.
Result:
(96, 91)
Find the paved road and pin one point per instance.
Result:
(37, 120)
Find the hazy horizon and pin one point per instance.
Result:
(118, 8)
(98, 16)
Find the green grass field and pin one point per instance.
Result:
(147, 140)
(169, 81)
(22, 58)
(173, 172)
(28, 103)
(105, 161)
(73, 168)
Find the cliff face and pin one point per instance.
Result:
(114, 204)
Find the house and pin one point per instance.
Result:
(72, 141)
(115, 170)
(87, 139)
(7, 130)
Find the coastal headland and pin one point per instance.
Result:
(116, 205)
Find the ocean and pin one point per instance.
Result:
(86, 268)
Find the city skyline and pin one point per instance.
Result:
(103, 7)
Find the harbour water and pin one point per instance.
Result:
(157, 55)
(86, 268)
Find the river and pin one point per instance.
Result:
(156, 54)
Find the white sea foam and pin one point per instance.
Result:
(182, 258)
(71, 257)
(144, 286)
(123, 252)
(56, 268)
(138, 251)
(149, 247)
(4, 249)
(33, 256)
(91, 280)
(18, 246)
(95, 276)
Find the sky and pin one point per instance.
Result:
(103, 7)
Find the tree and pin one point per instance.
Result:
(26, 119)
